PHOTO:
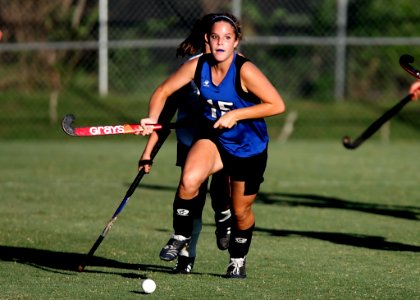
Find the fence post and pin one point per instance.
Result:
(237, 12)
(237, 8)
(341, 45)
(103, 47)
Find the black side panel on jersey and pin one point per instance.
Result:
(239, 61)
(247, 96)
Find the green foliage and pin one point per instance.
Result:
(324, 22)
(137, 62)
(401, 18)
(155, 27)
(61, 24)
(370, 70)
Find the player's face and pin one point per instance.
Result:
(222, 40)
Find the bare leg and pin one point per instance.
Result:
(242, 206)
(203, 160)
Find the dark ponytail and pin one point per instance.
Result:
(195, 41)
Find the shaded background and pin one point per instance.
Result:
(332, 60)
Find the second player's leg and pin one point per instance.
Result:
(220, 202)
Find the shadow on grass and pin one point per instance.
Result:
(349, 239)
(59, 262)
(316, 201)
(310, 200)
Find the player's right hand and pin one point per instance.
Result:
(415, 90)
(146, 124)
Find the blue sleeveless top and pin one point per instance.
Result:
(187, 102)
(188, 108)
(247, 138)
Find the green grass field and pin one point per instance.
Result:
(330, 223)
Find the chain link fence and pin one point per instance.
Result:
(102, 59)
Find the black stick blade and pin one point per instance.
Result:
(89, 256)
(347, 143)
(81, 268)
(67, 124)
(406, 59)
(405, 62)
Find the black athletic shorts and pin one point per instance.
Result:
(181, 154)
(248, 169)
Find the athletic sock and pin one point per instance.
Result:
(240, 242)
(192, 247)
(183, 216)
(222, 216)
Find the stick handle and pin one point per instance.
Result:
(111, 130)
(347, 143)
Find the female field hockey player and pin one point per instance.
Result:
(186, 102)
(235, 97)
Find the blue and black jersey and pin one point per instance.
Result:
(248, 137)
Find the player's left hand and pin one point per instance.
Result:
(228, 120)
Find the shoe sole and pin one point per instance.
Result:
(235, 276)
(167, 258)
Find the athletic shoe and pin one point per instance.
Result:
(173, 247)
(184, 265)
(236, 268)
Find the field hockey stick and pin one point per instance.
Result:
(349, 144)
(405, 61)
(163, 134)
(68, 120)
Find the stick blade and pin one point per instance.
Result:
(406, 59)
(67, 124)
(347, 143)
(81, 268)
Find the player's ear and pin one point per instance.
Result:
(235, 45)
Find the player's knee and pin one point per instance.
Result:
(189, 187)
(242, 214)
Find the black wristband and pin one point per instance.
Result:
(143, 162)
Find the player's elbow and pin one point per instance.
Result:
(278, 108)
(161, 91)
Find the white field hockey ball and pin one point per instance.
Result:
(148, 286)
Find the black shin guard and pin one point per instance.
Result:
(183, 216)
(240, 242)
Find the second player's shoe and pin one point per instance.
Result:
(184, 265)
(172, 248)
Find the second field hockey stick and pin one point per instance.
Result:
(405, 61)
(68, 120)
(349, 144)
(163, 134)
